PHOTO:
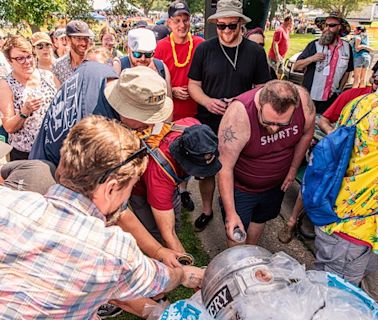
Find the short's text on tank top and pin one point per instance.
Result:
(279, 135)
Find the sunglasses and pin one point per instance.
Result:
(40, 46)
(3, 38)
(231, 26)
(138, 55)
(278, 124)
(23, 60)
(140, 154)
(331, 25)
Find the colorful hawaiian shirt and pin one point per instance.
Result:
(359, 191)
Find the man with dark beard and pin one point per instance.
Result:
(327, 61)
(78, 35)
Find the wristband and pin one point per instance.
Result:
(23, 115)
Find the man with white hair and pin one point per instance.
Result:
(141, 50)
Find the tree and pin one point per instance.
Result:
(196, 6)
(36, 13)
(343, 6)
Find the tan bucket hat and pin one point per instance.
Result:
(140, 94)
(5, 148)
(228, 8)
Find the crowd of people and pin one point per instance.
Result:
(102, 145)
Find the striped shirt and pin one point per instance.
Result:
(59, 261)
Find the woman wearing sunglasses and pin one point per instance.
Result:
(43, 48)
(26, 94)
(141, 49)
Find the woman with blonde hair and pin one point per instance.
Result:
(26, 94)
(108, 39)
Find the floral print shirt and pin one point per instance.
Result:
(358, 195)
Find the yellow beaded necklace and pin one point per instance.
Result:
(187, 60)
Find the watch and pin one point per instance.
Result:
(23, 115)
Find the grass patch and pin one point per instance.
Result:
(193, 246)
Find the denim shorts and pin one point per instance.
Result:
(258, 207)
(362, 61)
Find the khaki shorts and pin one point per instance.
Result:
(343, 258)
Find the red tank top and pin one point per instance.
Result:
(265, 160)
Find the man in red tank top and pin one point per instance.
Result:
(261, 154)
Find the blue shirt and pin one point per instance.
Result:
(79, 96)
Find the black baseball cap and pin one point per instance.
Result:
(196, 151)
(178, 7)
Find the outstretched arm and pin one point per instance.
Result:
(234, 133)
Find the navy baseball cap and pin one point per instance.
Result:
(178, 7)
(196, 151)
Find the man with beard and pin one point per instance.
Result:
(222, 68)
(327, 61)
(78, 35)
(263, 138)
(141, 51)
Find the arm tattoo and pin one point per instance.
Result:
(228, 135)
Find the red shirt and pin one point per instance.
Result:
(179, 76)
(334, 111)
(155, 183)
(266, 158)
(281, 36)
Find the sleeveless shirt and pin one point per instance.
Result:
(265, 160)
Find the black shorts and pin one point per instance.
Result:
(257, 207)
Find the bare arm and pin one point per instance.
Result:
(146, 242)
(325, 125)
(168, 81)
(300, 65)
(215, 106)
(12, 122)
(117, 65)
(276, 51)
(165, 220)
(343, 81)
(304, 142)
(56, 82)
(234, 133)
(358, 46)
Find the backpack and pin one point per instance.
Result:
(125, 64)
(325, 172)
(151, 142)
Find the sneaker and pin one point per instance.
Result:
(202, 221)
(186, 201)
(108, 310)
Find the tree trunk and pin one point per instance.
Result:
(273, 9)
(34, 28)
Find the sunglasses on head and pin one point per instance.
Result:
(40, 46)
(140, 154)
(137, 54)
(231, 26)
(22, 60)
(331, 25)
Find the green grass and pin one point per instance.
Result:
(299, 41)
(193, 246)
